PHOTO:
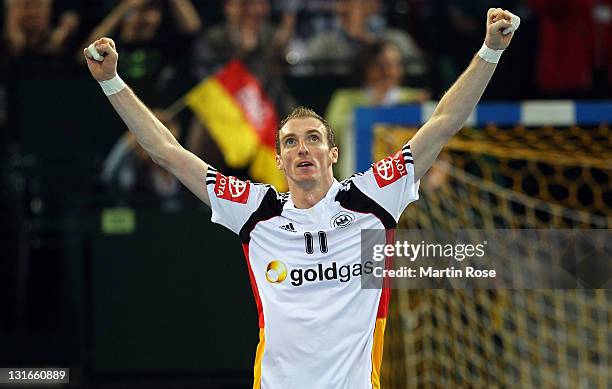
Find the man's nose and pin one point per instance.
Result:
(303, 150)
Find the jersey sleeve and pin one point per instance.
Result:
(232, 201)
(390, 182)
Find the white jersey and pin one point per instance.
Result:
(318, 327)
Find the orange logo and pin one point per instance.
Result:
(276, 272)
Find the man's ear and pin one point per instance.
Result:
(279, 162)
(334, 154)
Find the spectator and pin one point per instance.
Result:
(39, 37)
(360, 23)
(246, 35)
(30, 33)
(150, 44)
(380, 70)
(129, 170)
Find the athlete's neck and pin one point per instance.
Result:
(307, 194)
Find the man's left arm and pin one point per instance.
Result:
(461, 99)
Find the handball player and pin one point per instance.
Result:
(318, 328)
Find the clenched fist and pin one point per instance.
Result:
(107, 67)
(497, 21)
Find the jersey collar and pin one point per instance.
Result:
(329, 197)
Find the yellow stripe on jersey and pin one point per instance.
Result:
(377, 351)
(258, 359)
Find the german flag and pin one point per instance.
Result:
(241, 119)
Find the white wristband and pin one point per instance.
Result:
(112, 86)
(489, 55)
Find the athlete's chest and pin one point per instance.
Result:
(305, 236)
(313, 251)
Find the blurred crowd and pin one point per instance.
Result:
(570, 39)
(377, 52)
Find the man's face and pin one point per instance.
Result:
(35, 15)
(354, 12)
(249, 14)
(144, 21)
(386, 69)
(305, 155)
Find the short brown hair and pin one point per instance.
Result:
(304, 113)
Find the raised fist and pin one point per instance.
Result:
(106, 68)
(497, 21)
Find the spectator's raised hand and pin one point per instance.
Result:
(107, 67)
(15, 35)
(68, 23)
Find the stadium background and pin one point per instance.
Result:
(131, 291)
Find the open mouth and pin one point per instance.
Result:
(305, 164)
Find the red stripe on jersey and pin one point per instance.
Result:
(245, 248)
(385, 295)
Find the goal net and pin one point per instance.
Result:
(505, 178)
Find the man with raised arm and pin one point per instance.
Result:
(318, 327)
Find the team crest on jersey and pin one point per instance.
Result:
(232, 189)
(342, 219)
(389, 170)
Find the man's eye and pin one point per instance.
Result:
(290, 142)
(314, 138)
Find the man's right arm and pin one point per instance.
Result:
(150, 133)
(160, 144)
